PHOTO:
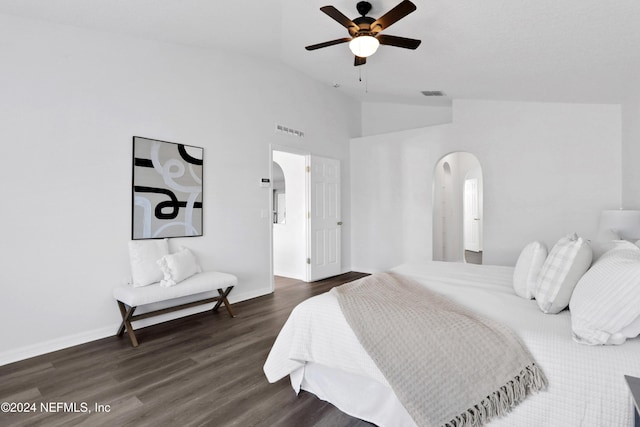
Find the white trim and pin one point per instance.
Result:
(272, 284)
(56, 344)
(307, 208)
(288, 149)
(300, 152)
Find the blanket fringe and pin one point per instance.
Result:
(530, 380)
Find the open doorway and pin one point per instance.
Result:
(305, 210)
(288, 200)
(458, 209)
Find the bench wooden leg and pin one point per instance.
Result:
(127, 314)
(223, 299)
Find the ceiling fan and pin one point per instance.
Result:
(364, 30)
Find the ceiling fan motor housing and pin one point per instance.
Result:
(363, 22)
(364, 27)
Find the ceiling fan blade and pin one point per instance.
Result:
(359, 61)
(393, 16)
(339, 17)
(398, 41)
(329, 43)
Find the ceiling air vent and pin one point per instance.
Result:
(432, 93)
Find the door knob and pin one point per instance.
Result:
(339, 222)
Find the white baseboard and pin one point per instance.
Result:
(60, 343)
(56, 344)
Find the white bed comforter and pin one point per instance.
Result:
(586, 384)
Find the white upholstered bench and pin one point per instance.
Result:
(129, 298)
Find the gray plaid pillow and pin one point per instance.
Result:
(568, 260)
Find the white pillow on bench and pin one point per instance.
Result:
(178, 267)
(143, 255)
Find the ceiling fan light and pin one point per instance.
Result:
(364, 46)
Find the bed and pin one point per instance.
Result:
(586, 385)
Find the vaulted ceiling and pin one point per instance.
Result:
(585, 51)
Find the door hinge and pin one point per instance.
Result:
(308, 260)
(308, 168)
(308, 215)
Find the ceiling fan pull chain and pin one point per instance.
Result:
(366, 82)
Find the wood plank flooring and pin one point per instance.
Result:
(201, 370)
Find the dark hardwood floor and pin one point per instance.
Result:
(204, 369)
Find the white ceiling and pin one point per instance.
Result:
(530, 50)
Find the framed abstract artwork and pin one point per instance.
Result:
(167, 189)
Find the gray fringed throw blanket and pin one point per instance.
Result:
(446, 364)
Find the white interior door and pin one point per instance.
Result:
(471, 215)
(324, 251)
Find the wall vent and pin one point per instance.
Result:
(289, 131)
(432, 93)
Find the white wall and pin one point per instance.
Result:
(71, 102)
(631, 155)
(391, 193)
(378, 117)
(289, 238)
(549, 169)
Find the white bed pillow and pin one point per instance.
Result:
(528, 266)
(568, 260)
(630, 331)
(605, 306)
(178, 267)
(143, 255)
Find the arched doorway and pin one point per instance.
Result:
(289, 215)
(279, 194)
(458, 208)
